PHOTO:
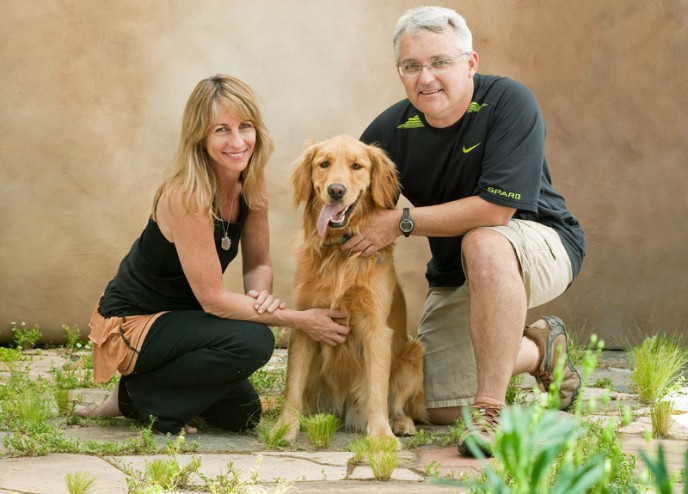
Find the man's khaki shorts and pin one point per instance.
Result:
(449, 365)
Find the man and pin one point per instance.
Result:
(470, 153)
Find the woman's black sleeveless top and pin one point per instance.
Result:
(150, 277)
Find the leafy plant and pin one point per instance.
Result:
(231, 483)
(25, 337)
(661, 479)
(269, 380)
(74, 343)
(538, 449)
(604, 382)
(10, 356)
(526, 445)
(420, 438)
(165, 473)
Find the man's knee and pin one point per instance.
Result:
(444, 415)
(486, 252)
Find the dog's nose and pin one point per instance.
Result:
(336, 191)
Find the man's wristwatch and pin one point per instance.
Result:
(406, 223)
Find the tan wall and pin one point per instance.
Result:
(92, 94)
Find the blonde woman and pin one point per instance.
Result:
(182, 343)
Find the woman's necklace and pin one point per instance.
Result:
(226, 242)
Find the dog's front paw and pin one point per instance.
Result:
(288, 427)
(403, 426)
(381, 429)
(291, 434)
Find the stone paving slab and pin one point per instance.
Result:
(46, 474)
(368, 487)
(259, 467)
(303, 468)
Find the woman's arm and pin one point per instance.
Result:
(257, 264)
(192, 234)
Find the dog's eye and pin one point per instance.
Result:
(324, 164)
(356, 166)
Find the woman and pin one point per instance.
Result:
(183, 344)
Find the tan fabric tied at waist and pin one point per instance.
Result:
(117, 342)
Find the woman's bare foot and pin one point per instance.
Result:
(108, 408)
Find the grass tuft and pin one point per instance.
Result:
(320, 428)
(660, 415)
(271, 434)
(79, 482)
(658, 362)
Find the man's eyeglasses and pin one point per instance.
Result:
(409, 69)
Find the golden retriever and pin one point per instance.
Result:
(374, 381)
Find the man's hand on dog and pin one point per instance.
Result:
(379, 231)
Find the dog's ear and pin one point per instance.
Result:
(385, 187)
(301, 175)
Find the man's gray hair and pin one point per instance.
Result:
(435, 19)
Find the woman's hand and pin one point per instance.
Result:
(265, 301)
(320, 325)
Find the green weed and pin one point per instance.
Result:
(527, 444)
(383, 463)
(538, 449)
(25, 337)
(605, 383)
(515, 393)
(72, 376)
(166, 473)
(231, 483)
(10, 356)
(657, 363)
(660, 477)
(268, 380)
(74, 341)
(420, 438)
(79, 482)
(383, 456)
(660, 416)
(24, 405)
(271, 434)
(320, 428)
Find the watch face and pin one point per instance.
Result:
(406, 226)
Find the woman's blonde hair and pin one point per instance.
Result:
(191, 171)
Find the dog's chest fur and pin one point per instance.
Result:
(338, 279)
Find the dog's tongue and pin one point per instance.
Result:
(327, 212)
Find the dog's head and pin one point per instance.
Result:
(341, 180)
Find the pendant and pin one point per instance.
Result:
(226, 242)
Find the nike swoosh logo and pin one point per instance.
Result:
(468, 150)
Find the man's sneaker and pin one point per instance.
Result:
(549, 334)
(485, 419)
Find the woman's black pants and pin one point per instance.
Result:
(193, 364)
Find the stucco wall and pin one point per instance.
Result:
(92, 94)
